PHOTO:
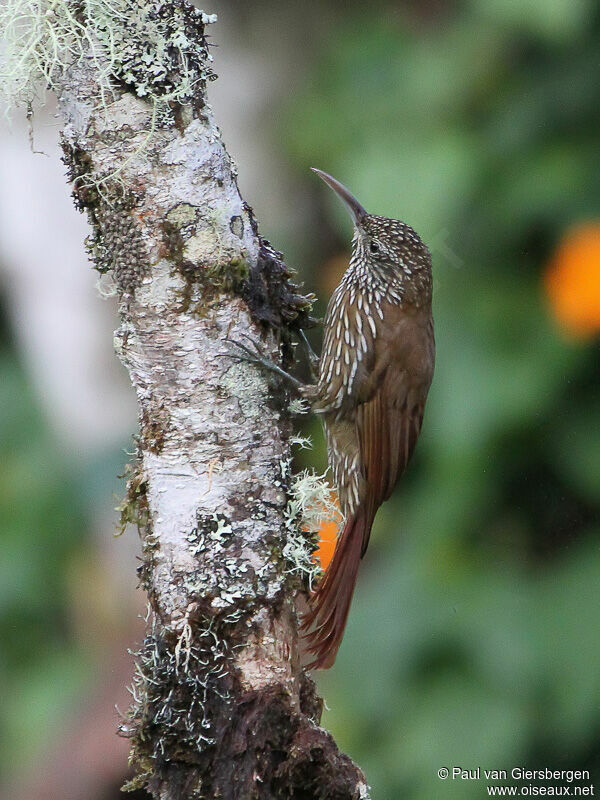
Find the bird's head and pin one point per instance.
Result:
(385, 246)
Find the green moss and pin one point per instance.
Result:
(133, 509)
(154, 428)
(186, 247)
(182, 215)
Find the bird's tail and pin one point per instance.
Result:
(329, 604)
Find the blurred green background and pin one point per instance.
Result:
(473, 638)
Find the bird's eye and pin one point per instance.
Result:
(374, 247)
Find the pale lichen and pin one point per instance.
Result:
(231, 579)
(156, 48)
(303, 442)
(248, 386)
(311, 502)
(182, 216)
(175, 686)
(211, 531)
(298, 406)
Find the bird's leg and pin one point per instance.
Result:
(253, 356)
(313, 358)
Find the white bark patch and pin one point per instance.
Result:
(209, 456)
(270, 636)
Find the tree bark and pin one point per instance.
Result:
(221, 706)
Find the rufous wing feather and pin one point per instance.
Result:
(330, 603)
(388, 428)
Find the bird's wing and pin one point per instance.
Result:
(388, 426)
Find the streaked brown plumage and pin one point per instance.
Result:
(374, 374)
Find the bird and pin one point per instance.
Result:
(373, 377)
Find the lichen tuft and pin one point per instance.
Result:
(178, 680)
(310, 503)
(157, 49)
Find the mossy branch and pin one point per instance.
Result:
(221, 705)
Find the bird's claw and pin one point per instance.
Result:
(254, 356)
(313, 358)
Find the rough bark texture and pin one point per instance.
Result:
(221, 707)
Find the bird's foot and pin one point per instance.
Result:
(252, 355)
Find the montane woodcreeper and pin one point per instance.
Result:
(374, 374)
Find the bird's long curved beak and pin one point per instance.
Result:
(357, 212)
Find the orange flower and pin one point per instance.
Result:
(327, 539)
(328, 531)
(572, 281)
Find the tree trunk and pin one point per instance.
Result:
(221, 706)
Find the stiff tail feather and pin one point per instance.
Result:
(325, 621)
